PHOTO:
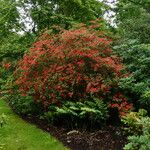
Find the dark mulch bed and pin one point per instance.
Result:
(108, 138)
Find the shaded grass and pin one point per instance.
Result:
(19, 135)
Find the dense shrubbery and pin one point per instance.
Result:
(70, 66)
(24, 105)
(71, 75)
(132, 122)
(138, 127)
(12, 48)
(134, 47)
(137, 59)
(6, 70)
(141, 142)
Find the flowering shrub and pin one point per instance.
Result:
(7, 65)
(71, 65)
(120, 102)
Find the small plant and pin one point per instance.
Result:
(132, 122)
(141, 141)
(3, 120)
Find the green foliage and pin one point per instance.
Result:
(131, 8)
(134, 47)
(60, 12)
(142, 140)
(13, 46)
(3, 120)
(133, 122)
(137, 28)
(91, 112)
(12, 49)
(137, 59)
(138, 142)
(9, 17)
(24, 105)
(145, 99)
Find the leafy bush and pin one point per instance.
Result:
(141, 141)
(145, 100)
(137, 59)
(12, 48)
(24, 105)
(92, 112)
(71, 65)
(132, 122)
(5, 72)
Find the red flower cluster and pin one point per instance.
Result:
(7, 65)
(120, 102)
(72, 64)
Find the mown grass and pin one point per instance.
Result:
(20, 135)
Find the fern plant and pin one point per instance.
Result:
(79, 113)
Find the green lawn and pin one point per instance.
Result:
(19, 135)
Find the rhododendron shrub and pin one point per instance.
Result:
(71, 65)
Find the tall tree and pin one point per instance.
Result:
(9, 17)
(45, 13)
(133, 20)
